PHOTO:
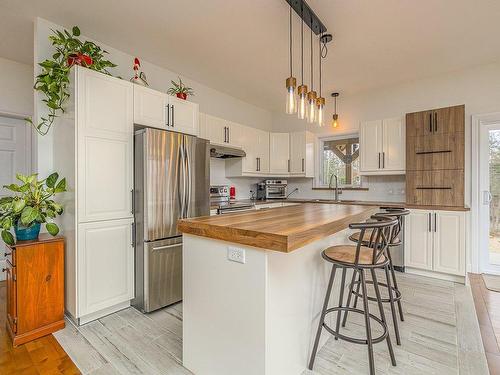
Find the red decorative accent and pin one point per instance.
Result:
(182, 95)
(80, 59)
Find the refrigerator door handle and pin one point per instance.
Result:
(189, 183)
(182, 178)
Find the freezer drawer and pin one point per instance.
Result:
(161, 274)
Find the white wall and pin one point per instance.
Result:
(243, 185)
(478, 88)
(211, 101)
(16, 90)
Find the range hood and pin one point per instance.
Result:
(225, 152)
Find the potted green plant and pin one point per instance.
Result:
(180, 90)
(53, 81)
(31, 206)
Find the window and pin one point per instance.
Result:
(340, 156)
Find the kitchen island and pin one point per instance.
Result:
(254, 284)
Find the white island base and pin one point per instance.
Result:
(256, 318)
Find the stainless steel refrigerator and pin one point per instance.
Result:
(171, 181)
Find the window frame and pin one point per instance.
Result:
(321, 141)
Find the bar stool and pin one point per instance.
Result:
(395, 240)
(360, 258)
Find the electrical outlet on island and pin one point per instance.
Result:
(236, 255)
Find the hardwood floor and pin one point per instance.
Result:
(487, 305)
(440, 335)
(41, 356)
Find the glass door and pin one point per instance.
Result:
(489, 175)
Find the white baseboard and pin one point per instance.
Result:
(3, 264)
(436, 275)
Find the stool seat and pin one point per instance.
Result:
(347, 254)
(355, 238)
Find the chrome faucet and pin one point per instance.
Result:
(337, 192)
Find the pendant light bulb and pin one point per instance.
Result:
(335, 123)
(335, 117)
(320, 115)
(311, 106)
(302, 107)
(291, 101)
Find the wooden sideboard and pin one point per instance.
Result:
(35, 288)
(435, 154)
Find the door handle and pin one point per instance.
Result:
(173, 118)
(429, 224)
(430, 122)
(167, 117)
(435, 121)
(167, 246)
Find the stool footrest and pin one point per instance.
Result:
(396, 296)
(355, 340)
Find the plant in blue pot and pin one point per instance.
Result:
(31, 206)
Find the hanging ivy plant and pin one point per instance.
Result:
(53, 81)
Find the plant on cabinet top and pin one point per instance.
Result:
(53, 81)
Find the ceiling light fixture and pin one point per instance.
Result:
(311, 95)
(291, 82)
(320, 102)
(335, 115)
(302, 90)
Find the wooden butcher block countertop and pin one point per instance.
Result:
(282, 229)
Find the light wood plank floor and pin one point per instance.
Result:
(440, 335)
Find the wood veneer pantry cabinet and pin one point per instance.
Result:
(35, 288)
(93, 149)
(435, 157)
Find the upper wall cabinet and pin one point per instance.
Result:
(302, 154)
(159, 110)
(382, 147)
(279, 151)
(220, 131)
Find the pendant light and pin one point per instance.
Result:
(302, 89)
(291, 82)
(320, 102)
(311, 95)
(335, 115)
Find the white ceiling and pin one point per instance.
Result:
(241, 47)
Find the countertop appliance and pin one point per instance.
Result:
(272, 189)
(220, 199)
(171, 181)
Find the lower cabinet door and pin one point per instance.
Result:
(449, 242)
(418, 239)
(105, 265)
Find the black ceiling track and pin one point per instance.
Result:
(308, 16)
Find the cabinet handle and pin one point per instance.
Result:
(430, 122)
(288, 165)
(435, 222)
(228, 134)
(303, 167)
(435, 121)
(225, 134)
(132, 205)
(429, 222)
(173, 118)
(133, 235)
(383, 160)
(168, 115)
(6, 254)
(258, 164)
(379, 160)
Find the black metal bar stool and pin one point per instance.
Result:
(360, 258)
(392, 283)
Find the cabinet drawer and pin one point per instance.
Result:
(10, 255)
(438, 151)
(441, 188)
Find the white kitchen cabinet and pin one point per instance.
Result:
(93, 149)
(382, 147)
(279, 153)
(105, 147)
(418, 240)
(449, 242)
(105, 265)
(302, 154)
(150, 107)
(183, 116)
(221, 132)
(435, 241)
(158, 110)
(255, 143)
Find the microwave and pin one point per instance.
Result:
(272, 189)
